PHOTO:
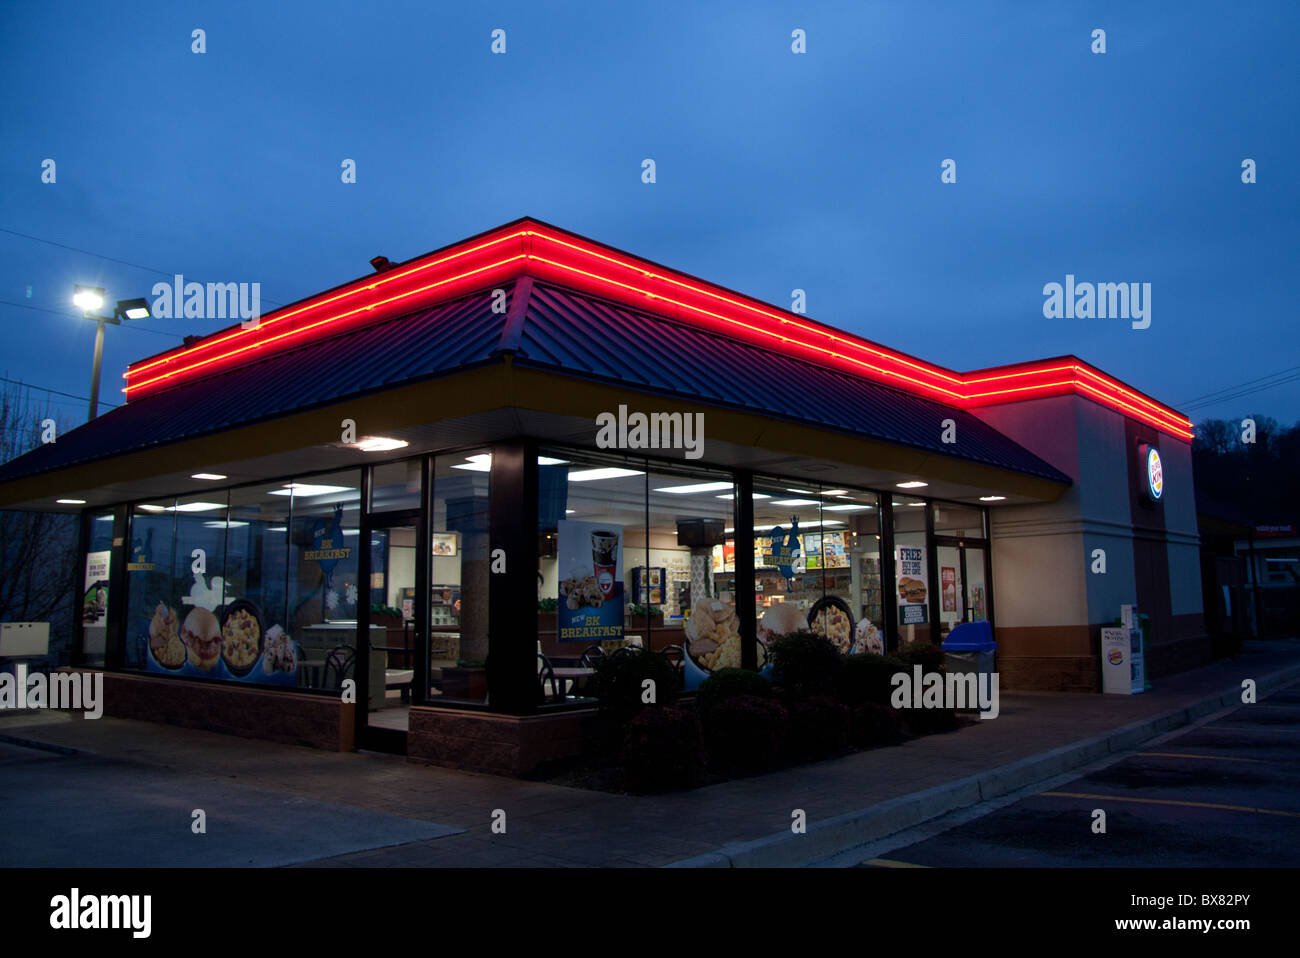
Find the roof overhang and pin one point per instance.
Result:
(496, 402)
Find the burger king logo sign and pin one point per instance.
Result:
(1115, 656)
(1153, 473)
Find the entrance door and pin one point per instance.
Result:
(397, 631)
(963, 589)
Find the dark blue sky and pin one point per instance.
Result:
(775, 170)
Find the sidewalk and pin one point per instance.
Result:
(433, 817)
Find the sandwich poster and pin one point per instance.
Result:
(909, 561)
(590, 561)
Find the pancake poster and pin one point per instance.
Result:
(211, 635)
(591, 585)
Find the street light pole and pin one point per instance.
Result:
(94, 372)
(91, 298)
(99, 357)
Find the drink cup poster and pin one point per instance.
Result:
(590, 558)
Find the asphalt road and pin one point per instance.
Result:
(1223, 793)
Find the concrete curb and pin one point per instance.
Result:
(825, 838)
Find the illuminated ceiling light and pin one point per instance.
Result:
(307, 489)
(757, 495)
(991, 498)
(916, 503)
(806, 492)
(207, 475)
(481, 463)
(88, 297)
(795, 502)
(767, 530)
(352, 532)
(548, 461)
(592, 475)
(895, 502)
(149, 508)
(834, 492)
(103, 518)
(228, 524)
(196, 507)
(843, 497)
(277, 529)
(856, 508)
(914, 484)
(697, 487)
(70, 502)
(380, 444)
(568, 512)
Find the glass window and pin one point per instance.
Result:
(853, 613)
(591, 520)
(911, 570)
(459, 570)
(688, 584)
(395, 485)
(961, 521)
(324, 531)
(789, 571)
(94, 608)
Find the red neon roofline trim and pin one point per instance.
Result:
(530, 247)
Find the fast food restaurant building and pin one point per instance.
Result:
(402, 481)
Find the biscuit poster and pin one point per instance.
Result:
(590, 564)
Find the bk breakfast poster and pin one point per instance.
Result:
(590, 564)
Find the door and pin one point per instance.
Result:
(397, 631)
(963, 587)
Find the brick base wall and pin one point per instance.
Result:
(1048, 673)
(497, 744)
(290, 718)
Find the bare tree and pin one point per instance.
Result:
(38, 551)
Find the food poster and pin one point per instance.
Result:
(590, 563)
(211, 634)
(948, 588)
(94, 608)
(913, 595)
(834, 555)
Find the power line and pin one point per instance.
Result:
(55, 391)
(111, 259)
(66, 313)
(1213, 395)
(1240, 393)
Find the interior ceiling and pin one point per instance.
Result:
(500, 424)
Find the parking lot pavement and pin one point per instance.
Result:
(1222, 793)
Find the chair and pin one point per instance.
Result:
(626, 650)
(675, 655)
(545, 673)
(341, 660)
(592, 656)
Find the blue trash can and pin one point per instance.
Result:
(970, 648)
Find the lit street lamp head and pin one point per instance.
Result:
(133, 308)
(89, 298)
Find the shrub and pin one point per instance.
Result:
(805, 664)
(923, 721)
(663, 749)
(818, 727)
(617, 683)
(866, 678)
(727, 684)
(925, 654)
(746, 733)
(875, 724)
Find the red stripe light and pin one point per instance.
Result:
(529, 247)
